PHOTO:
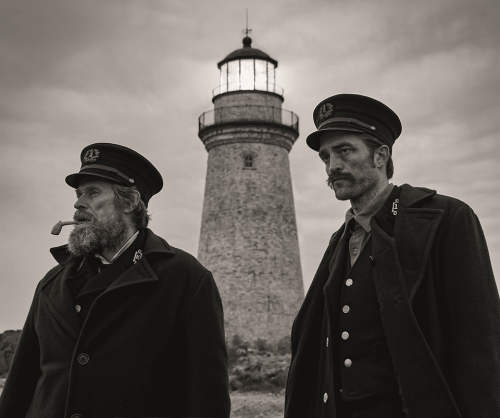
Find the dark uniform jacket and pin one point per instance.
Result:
(152, 344)
(440, 311)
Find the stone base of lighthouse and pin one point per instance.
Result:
(249, 235)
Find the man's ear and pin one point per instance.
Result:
(128, 209)
(381, 156)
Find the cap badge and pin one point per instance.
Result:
(325, 110)
(395, 207)
(91, 156)
(137, 256)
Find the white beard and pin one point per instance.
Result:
(96, 236)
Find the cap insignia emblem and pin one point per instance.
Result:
(137, 256)
(325, 110)
(91, 156)
(395, 207)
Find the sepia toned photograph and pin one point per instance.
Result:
(260, 209)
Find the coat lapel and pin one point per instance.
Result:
(57, 296)
(138, 274)
(399, 263)
(337, 271)
(308, 350)
(141, 272)
(415, 231)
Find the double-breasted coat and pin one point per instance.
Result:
(152, 344)
(440, 311)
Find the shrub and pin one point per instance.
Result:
(285, 345)
(261, 344)
(259, 371)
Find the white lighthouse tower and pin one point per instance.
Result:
(248, 234)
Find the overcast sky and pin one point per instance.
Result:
(139, 73)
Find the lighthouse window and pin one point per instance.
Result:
(260, 75)
(248, 161)
(271, 74)
(247, 75)
(233, 78)
(223, 78)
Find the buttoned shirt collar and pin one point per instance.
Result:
(120, 252)
(364, 217)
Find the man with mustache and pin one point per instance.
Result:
(126, 325)
(402, 318)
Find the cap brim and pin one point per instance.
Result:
(73, 180)
(313, 139)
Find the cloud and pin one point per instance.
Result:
(141, 73)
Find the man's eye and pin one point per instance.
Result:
(344, 150)
(324, 158)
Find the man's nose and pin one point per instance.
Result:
(334, 164)
(80, 202)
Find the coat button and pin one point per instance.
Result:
(345, 335)
(325, 397)
(348, 282)
(346, 309)
(76, 416)
(372, 261)
(327, 341)
(348, 362)
(83, 358)
(78, 308)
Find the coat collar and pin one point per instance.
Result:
(414, 233)
(410, 195)
(57, 294)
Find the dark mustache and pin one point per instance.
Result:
(332, 177)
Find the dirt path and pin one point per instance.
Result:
(257, 405)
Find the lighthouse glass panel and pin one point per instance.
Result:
(260, 75)
(247, 75)
(233, 75)
(270, 77)
(223, 78)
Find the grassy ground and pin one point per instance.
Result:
(257, 404)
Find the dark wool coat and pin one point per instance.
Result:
(440, 311)
(154, 342)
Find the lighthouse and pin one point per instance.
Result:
(248, 233)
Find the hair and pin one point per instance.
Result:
(130, 196)
(373, 143)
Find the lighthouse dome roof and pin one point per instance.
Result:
(247, 52)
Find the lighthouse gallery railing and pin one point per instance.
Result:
(248, 113)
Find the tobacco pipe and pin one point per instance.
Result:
(56, 229)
